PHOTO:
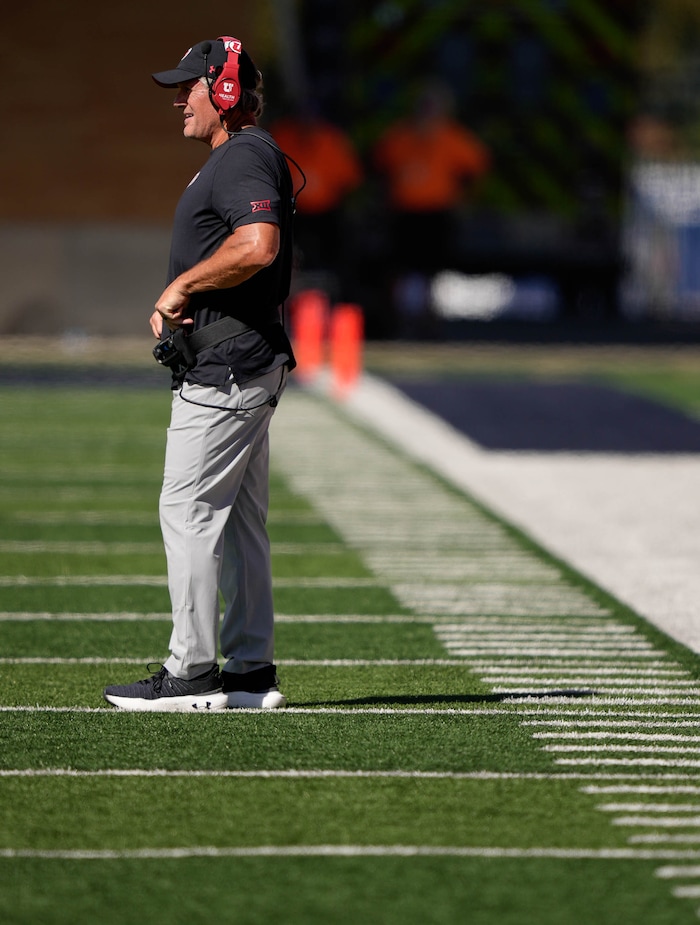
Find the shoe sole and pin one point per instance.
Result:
(192, 703)
(263, 700)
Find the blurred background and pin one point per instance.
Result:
(476, 168)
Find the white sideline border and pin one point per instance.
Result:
(647, 553)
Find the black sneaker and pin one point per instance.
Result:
(257, 690)
(163, 692)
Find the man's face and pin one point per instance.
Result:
(201, 121)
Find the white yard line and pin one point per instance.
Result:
(282, 663)
(355, 851)
(96, 547)
(77, 548)
(319, 773)
(518, 704)
(333, 774)
(279, 618)
(77, 581)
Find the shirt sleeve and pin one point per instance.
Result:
(246, 186)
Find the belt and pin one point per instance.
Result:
(216, 333)
(180, 349)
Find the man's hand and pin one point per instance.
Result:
(170, 308)
(156, 323)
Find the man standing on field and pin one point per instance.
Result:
(218, 323)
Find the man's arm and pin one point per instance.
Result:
(249, 249)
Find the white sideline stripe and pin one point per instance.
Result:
(355, 851)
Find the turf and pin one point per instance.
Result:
(344, 891)
(401, 785)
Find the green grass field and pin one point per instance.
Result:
(474, 733)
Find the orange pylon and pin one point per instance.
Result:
(309, 316)
(346, 342)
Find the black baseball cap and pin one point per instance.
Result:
(199, 60)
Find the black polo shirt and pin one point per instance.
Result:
(245, 180)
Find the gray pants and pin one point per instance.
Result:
(213, 511)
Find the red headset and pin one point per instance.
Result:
(225, 89)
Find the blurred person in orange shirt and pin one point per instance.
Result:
(333, 170)
(430, 165)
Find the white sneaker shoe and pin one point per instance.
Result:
(164, 693)
(255, 690)
(256, 700)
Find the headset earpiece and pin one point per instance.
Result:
(225, 88)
